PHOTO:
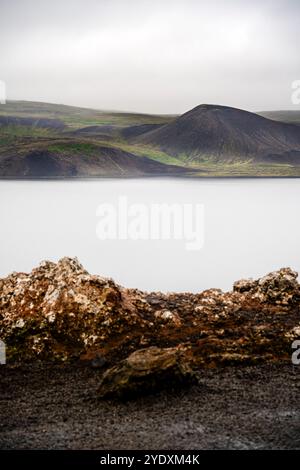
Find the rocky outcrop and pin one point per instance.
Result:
(280, 287)
(147, 370)
(59, 312)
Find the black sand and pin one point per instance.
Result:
(56, 407)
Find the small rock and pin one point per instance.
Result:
(20, 323)
(244, 285)
(168, 316)
(98, 362)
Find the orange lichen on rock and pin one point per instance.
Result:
(59, 312)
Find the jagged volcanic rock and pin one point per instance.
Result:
(279, 287)
(60, 312)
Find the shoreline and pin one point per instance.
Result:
(163, 176)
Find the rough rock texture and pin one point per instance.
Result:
(279, 287)
(146, 370)
(59, 312)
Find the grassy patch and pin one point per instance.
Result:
(247, 169)
(76, 147)
(12, 131)
(147, 151)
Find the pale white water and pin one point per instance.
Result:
(251, 227)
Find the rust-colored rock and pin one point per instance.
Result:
(60, 312)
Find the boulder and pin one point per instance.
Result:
(147, 370)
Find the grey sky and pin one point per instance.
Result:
(159, 56)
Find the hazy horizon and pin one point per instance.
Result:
(151, 57)
(134, 111)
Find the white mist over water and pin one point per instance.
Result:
(251, 227)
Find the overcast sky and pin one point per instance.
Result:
(158, 56)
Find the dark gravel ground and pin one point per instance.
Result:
(56, 407)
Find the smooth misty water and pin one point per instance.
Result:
(251, 227)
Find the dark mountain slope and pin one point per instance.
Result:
(227, 134)
(126, 132)
(134, 131)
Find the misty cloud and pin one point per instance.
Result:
(149, 55)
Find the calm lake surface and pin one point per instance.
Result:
(250, 227)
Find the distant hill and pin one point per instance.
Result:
(46, 123)
(77, 117)
(283, 116)
(224, 134)
(40, 140)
